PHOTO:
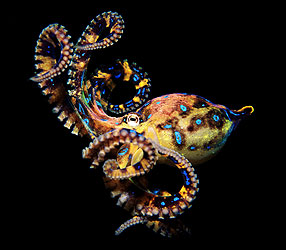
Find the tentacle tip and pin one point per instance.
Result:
(117, 232)
(34, 79)
(131, 222)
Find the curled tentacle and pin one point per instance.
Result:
(170, 206)
(157, 208)
(105, 144)
(89, 40)
(90, 111)
(92, 36)
(53, 55)
(106, 78)
(53, 52)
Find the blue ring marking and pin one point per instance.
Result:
(81, 109)
(147, 103)
(173, 159)
(118, 75)
(168, 126)
(87, 99)
(163, 203)
(123, 151)
(187, 178)
(178, 137)
(156, 191)
(135, 78)
(158, 102)
(137, 166)
(192, 148)
(216, 118)
(98, 103)
(129, 104)
(149, 116)
(135, 69)
(86, 121)
(198, 121)
(176, 199)
(183, 108)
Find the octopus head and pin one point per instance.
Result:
(191, 125)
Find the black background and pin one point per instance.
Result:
(218, 52)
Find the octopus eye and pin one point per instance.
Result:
(132, 120)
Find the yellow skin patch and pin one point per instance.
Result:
(129, 154)
(127, 71)
(46, 64)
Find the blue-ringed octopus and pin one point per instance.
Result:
(178, 129)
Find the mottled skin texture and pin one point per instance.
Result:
(174, 124)
(177, 129)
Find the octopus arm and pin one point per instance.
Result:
(53, 54)
(147, 207)
(83, 96)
